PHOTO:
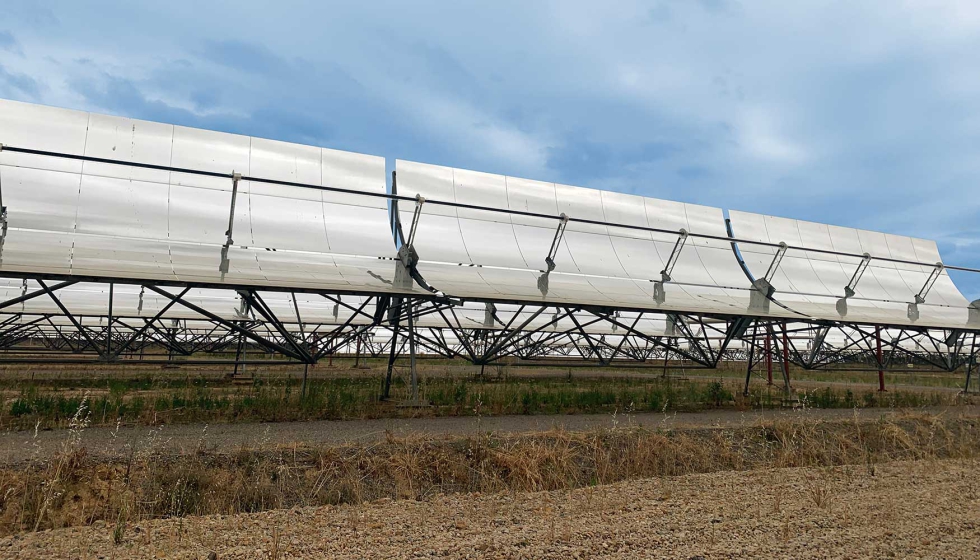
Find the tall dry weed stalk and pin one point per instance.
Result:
(154, 482)
(69, 458)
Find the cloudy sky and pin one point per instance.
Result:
(854, 113)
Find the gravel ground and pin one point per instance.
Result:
(924, 509)
(21, 446)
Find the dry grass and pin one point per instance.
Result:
(908, 509)
(73, 489)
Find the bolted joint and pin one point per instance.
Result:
(408, 256)
(235, 176)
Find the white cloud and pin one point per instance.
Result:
(453, 121)
(761, 135)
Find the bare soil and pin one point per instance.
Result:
(921, 509)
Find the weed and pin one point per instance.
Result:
(154, 401)
(158, 484)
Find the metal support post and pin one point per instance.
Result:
(878, 357)
(786, 387)
(357, 353)
(751, 361)
(392, 356)
(108, 338)
(769, 356)
(411, 353)
(971, 363)
(238, 355)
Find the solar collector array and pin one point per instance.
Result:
(95, 219)
(503, 254)
(813, 283)
(85, 218)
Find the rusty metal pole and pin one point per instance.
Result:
(357, 353)
(881, 366)
(785, 361)
(306, 373)
(751, 362)
(970, 363)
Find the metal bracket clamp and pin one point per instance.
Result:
(244, 311)
(559, 233)
(674, 255)
(407, 257)
(761, 295)
(973, 317)
(776, 260)
(659, 294)
(856, 277)
(490, 310)
(930, 281)
(952, 338)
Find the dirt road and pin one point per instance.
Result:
(17, 447)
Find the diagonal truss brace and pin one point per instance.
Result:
(36, 293)
(70, 316)
(256, 302)
(268, 344)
